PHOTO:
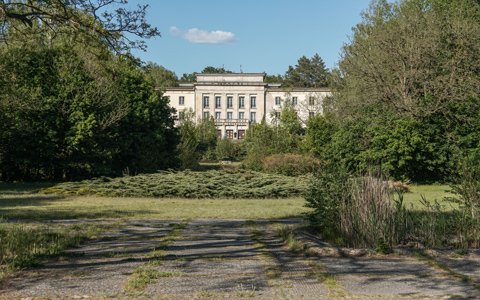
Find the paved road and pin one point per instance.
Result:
(217, 259)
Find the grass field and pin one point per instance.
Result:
(22, 201)
(430, 192)
(37, 206)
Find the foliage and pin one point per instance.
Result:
(324, 197)
(65, 116)
(361, 210)
(406, 89)
(409, 149)
(188, 141)
(188, 77)
(393, 62)
(290, 164)
(466, 187)
(226, 149)
(189, 184)
(211, 69)
(309, 72)
(206, 132)
(160, 76)
(318, 135)
(79, 19)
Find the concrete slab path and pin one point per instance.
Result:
(233, 259)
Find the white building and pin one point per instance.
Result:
(235, 100)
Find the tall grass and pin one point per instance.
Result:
(371, 214)
(368, 213)
(466, 187)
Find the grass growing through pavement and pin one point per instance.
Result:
(23, 246)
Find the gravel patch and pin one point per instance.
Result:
(199, 267)
(406, 286)
(299, 287)
(464, 266)
(374, 266)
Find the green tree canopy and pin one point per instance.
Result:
(86, 21)
(308, 72)
(160, 76)
(406, 89)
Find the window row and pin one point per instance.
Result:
(241, 115)
(241, 102)
(311, 100)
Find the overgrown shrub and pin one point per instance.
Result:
(290, 164)
(361, 210)
(466, 187)
(189, 184)
(227, 149)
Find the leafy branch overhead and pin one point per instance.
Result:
(85, 20)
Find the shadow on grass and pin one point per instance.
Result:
(21, 188)
(24, 207)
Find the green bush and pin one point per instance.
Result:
(290, 164)
(189, 184)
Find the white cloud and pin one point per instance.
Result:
(199, 36)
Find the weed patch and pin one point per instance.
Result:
(23, 247)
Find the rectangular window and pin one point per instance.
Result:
(229, 102)
(229, 134)
(229, 115)
(181, 115)
(277, 115)
(253, 117)
(253, 102)
(206, 115)
(311, 114)
(241, 115)
(218, 115)
(218, 102)
(241, 102)
(206, 101)
(294, 100)
(181, 100)
(277, 100)
(311, 100)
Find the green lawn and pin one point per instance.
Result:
(21, 201)
(38, 206)
(430, 192)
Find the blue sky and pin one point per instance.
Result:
(262, 36)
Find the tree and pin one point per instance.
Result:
(86, 21)
(211, 69)
(188, 77)
(273, 79)
(64, 116)
(160, 75)
(307, 73)
(414, 58)
(188, 141)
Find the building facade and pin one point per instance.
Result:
(236, 100)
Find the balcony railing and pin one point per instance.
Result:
(231, 122)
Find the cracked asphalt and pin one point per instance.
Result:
(234, 259)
